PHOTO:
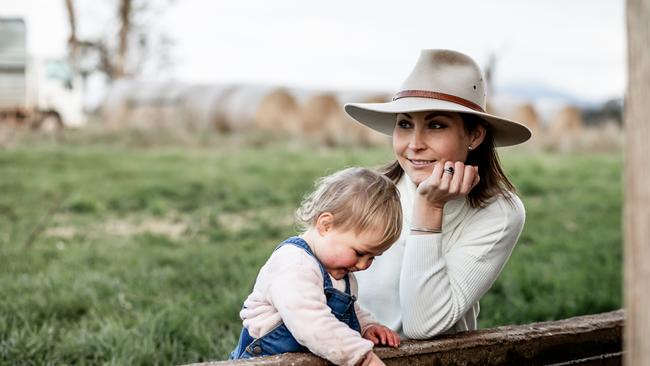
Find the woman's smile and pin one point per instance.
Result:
(422, 163)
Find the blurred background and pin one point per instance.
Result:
(200, 66)
(152, 153)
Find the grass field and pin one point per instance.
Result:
(114, 255)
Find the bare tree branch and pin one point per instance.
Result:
(125, 29)
(138, 45)
(73, 41)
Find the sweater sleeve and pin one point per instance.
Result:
(297, 294)
(438, 288)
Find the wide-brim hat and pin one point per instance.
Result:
(442, 80)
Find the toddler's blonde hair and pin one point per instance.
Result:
(359, 199)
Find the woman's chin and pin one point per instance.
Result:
(418, 176)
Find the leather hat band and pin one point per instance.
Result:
(440, 96)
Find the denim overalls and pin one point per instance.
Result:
(280, 340)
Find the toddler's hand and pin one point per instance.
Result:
(371, 359)
(379, 334)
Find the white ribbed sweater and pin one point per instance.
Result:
(425, 285)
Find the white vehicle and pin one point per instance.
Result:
(42, 93)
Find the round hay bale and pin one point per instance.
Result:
(565, 129)
(343, 130)
(368, 136)
(115, 109)
(607, 137)
(193, 107)
(525, 113)
(568, 121)
(141, 104)
(357, 133)
(203, 109)
(147, 108)
(278, 113)
(169, 103)
(363, 97)
(325, 120)
(315, 113)
(239, 107)
(337, 131)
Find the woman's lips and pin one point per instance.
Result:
(421, 163)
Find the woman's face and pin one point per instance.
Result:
(423, 139)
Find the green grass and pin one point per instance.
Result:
(568, 258)
(114, 255)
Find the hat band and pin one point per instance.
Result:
(440, 96)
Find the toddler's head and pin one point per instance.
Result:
(352, 216)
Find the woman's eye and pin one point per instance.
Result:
(435, 125)
(404, 124)
(359, 253)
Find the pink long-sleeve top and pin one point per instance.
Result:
(289, 289)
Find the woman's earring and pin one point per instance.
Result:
(470, 148)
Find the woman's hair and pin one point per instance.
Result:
(493, 179)
(359, 199)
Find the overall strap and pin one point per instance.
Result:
(347, 284)
(302, 244)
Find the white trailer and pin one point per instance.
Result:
(39, 92)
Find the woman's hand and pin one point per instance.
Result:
(448, 180)
(380, 334)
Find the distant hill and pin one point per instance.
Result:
(547, 99)
(539, 91)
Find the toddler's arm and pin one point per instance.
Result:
(371, 329)
(371, 359)
(296, 291)
(365, 317)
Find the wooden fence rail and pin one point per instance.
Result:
(585, 340)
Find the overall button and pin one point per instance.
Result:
(257, 350)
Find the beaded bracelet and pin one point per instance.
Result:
(426, 230)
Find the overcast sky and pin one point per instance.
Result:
(575, 46)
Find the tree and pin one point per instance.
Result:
(136, 44)
(73, 42)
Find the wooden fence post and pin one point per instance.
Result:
(636, 216)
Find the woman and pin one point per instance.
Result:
(461, 215)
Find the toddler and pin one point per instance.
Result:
(304, 296)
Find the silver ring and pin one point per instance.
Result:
(449, 170)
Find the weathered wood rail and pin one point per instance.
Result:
(585, 340)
